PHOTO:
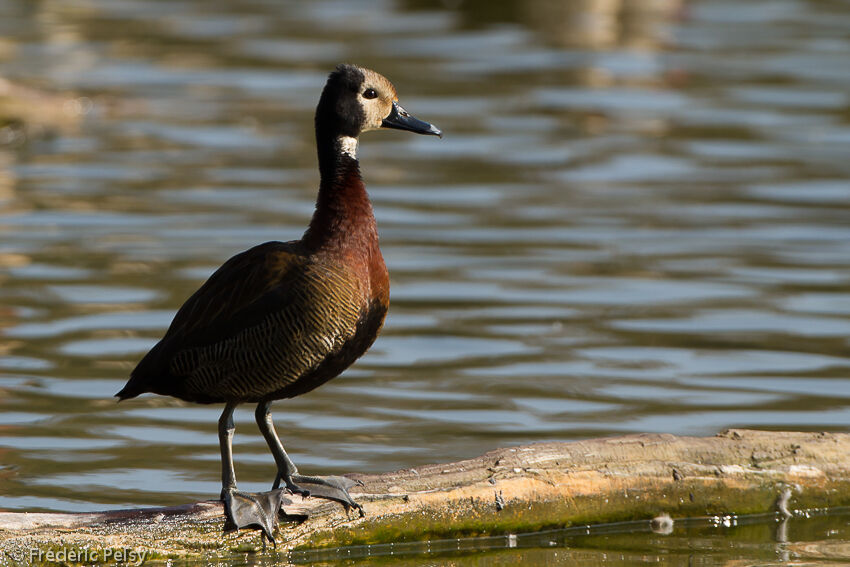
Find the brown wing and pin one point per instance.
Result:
(227, 297)
(264, 319)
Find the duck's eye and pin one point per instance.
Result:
(370, 93)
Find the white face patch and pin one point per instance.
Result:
(347, 145)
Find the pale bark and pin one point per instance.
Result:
(508, 490)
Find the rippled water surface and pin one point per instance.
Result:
(638, 220)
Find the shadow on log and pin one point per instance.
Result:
(512, 490)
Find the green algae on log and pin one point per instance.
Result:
(511, 490)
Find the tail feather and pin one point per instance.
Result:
(131, 389)
(140, 378)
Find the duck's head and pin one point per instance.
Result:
(357, 100)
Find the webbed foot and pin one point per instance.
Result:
(328, 487)
(257, 510)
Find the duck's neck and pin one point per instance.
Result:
(343, 221)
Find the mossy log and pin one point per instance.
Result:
(509, 490)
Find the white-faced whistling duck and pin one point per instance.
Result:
(283, 318)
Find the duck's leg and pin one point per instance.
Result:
(243, 509)
(330, 487)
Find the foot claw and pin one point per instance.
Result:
(295, 489)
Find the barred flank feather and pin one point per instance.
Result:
(260, 344)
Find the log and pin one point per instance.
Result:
(511, 490)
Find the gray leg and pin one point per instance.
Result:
(285, 467)
(243, 509)
(225, 440)
(330, 487)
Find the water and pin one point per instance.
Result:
(636, 221)
(811, 539)
(713, 541)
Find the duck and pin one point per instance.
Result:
(282, 318)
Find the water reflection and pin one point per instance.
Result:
(762, 540)
(637, 221)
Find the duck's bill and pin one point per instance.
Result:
(401, 120)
